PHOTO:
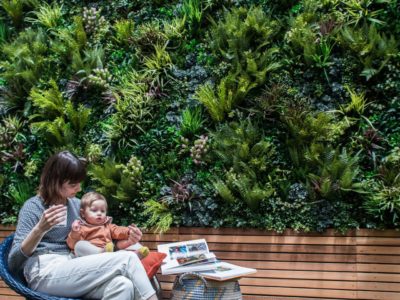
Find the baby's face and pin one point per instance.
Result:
(96, 213)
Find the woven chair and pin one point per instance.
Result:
(13, 282)
(20, 286)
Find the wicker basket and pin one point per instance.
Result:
(192, 286)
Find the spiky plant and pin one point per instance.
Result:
(160, 217)
(47, 15)
(124, 30)
(249, 160)
(244, 38)
(192, 11)
(59, 121)
(14, 8)
(373, 48)
(26, 60)
(231, 91)
(192, 121)
(110, 180)
(357, 104)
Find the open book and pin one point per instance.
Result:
(188, 256)
(225, 271)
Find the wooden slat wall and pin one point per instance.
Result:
(363, 264)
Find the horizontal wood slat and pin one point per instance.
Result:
(362, 264)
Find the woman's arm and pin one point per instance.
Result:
(50, 217)
(28, 233)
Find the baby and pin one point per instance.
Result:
(94, 233)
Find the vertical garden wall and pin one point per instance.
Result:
(268, 114)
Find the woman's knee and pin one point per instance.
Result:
(119, 288)
(130, 256)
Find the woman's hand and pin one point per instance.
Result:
(135, 234)
(76, 225)
(51, 217)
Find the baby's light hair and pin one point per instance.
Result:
(90, 197)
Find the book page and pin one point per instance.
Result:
(187, 256)
(184, 250)
(225, 271)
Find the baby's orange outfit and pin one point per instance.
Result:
(98, 235)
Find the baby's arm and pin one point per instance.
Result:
(133, 236)
(75, 234)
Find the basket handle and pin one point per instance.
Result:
(192, 274)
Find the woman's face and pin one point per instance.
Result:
(96, 213)
(69, 190)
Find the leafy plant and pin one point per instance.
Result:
(193, 12)
(192, 121)
(158, 63)
(133, 110)
(384, 203)
(19, 193)
(160, 217)
(3, 33)
(14, 9)
(229, 93)
(374, 49)
(248, 157)
(359, 11)
(110, 179)
(147, 35)
(58, 120)
(47, 15)
(322, 57)
(332, 173)
(357, 104)
(245, 188)
(26, 59)
(124, 30)
(244, 38)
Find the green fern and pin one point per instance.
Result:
(78, 117)
(47, 15)
(50, 102)
(124, 30)
(224, 192)
(249, 160)
(242, 147)
(370, 46)
(192, 11)
(70, 43)
(230, 92)
(58, 120)
(110, 180)
(134, 109)
(160, 217)
(331, 173)
(244, 38)
(26, 60)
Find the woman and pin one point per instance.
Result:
(40, 250)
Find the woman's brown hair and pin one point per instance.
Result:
(60, 168)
